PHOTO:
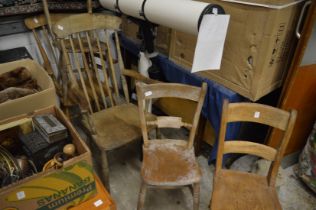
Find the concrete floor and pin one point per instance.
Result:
(125, 167)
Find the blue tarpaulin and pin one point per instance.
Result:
(215, 96)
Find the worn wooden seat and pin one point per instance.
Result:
(115, 126)
(160, 159)
(241, 190)
(169, 163)
(112, 121)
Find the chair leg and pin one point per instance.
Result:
(141, 154)
(105, 170)
(196, 196)
(142, 195)
(158, 133)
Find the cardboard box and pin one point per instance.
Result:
(44, 98)
(53, 189)
(101, 201)
(163, 35)
(257, 48)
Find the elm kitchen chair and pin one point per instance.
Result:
(169, 163)
(111, 123)
(241, 190)
(50, 51)
(39, 26)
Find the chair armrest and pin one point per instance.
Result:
(137, 76)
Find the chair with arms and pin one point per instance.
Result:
(111, 123)
(241, 190)
(169, 163)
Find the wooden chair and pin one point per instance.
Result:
(41, 26)
(169, 163)
(245, 191)
(47, 45)
(111, 123)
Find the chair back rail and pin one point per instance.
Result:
(258, 113)
(169, 122)
(85, 22)
(178, 91)
(160, 90)
(49, 17)
(246, 147)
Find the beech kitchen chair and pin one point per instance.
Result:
(111, 120)
(169, 163)
(241, 190)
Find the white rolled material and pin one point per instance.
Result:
(108, 4)
(183, 15)
(131, 7)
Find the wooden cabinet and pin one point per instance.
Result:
(300, 89)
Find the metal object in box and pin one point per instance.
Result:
(50, 128)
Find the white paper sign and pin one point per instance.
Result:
(148, 93)
(210, 44)
(257, 115)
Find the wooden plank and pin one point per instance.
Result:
(251, 112)
(169, 122)
(246, 147)
(85, 22)
(178, 91)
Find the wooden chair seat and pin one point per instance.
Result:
(235, 190)
(116, 126)
(169, 163)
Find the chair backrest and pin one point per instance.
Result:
(258, 113)
(170, 90)
(92, 64)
